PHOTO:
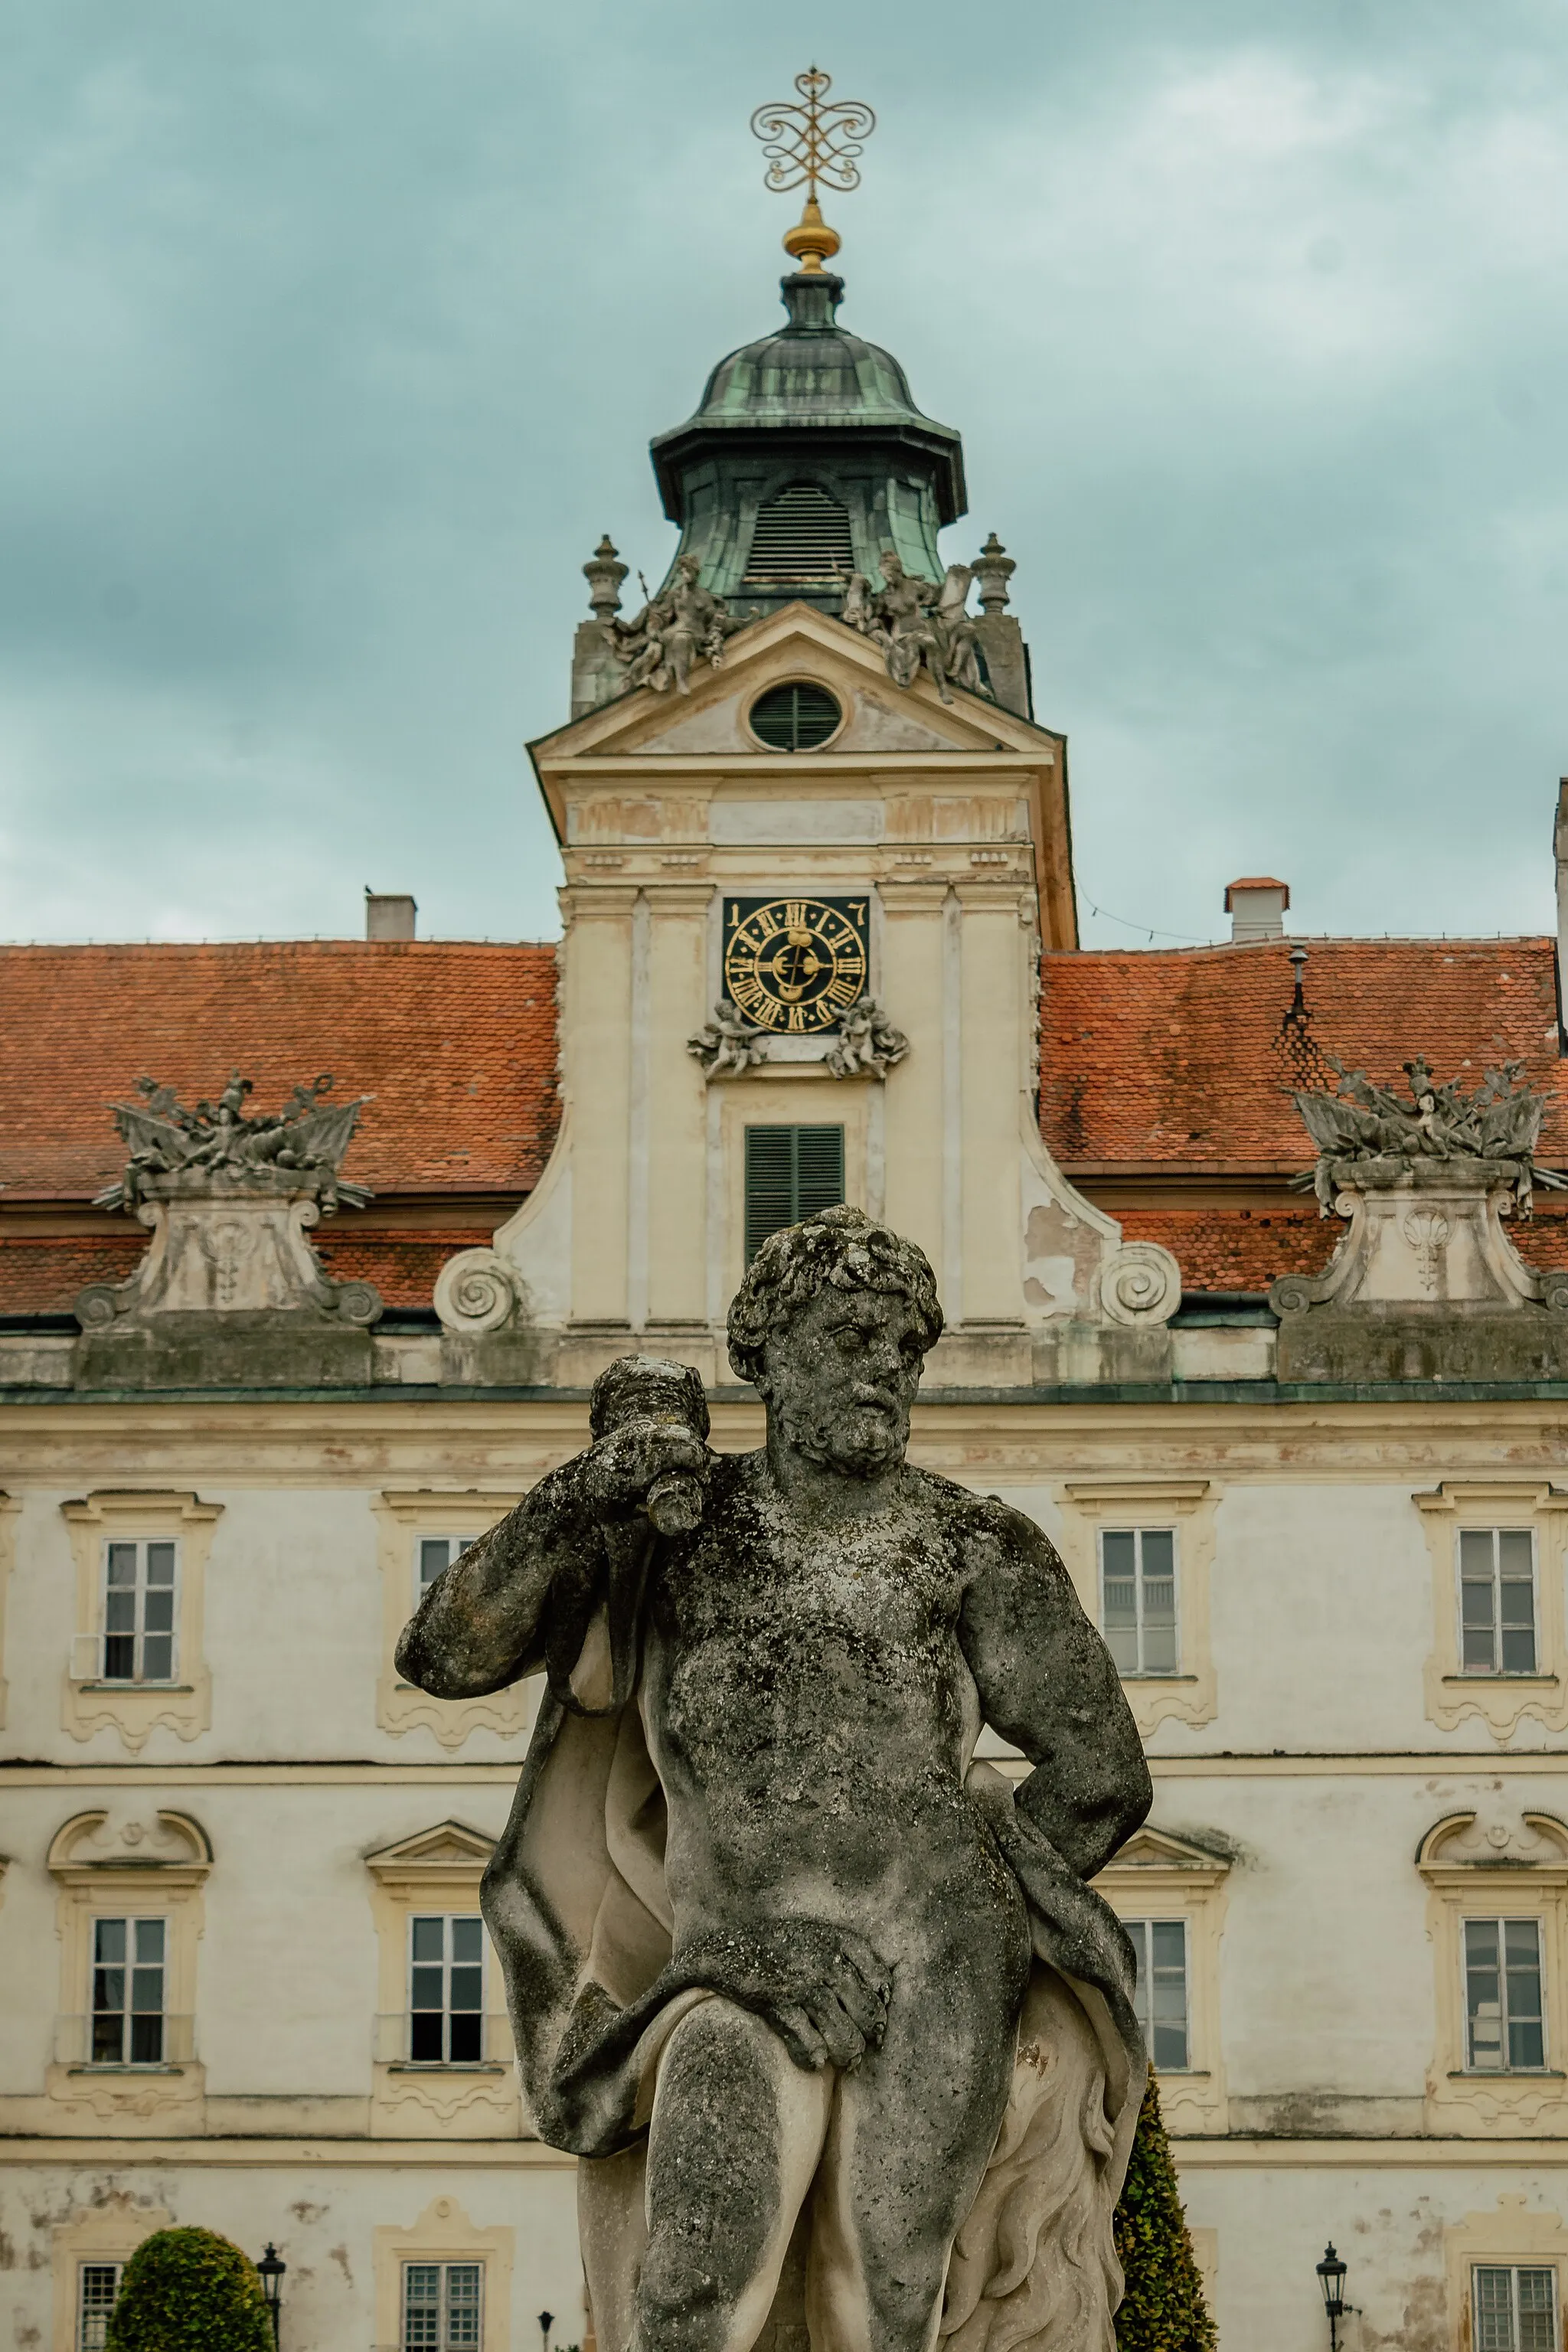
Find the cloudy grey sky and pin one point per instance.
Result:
(333, 336)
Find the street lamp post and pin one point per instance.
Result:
(1331, 2279)
(271, 2269)
(546, 2322)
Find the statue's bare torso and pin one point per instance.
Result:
(812, 1714)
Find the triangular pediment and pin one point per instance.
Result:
(449, 1845)
(799, 642)
(1152, 1849)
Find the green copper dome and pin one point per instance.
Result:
(807, 458)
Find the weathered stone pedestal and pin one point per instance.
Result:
(1425, 1284)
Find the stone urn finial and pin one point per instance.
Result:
(993, 567)
(604, 572)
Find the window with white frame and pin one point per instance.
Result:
(1137, 1598)
(1497, 1600)
(139, 1587)
(1159, 1996)
(1504, 2025)
(446, 1989)
(442, 2307)
(127, 1965)
(433, 1555)
(1515, 2308)
(97, 2284)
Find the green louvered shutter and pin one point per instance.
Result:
(791, 1172)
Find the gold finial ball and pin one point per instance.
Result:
(811, 242)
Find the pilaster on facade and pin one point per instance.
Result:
(10, 1512)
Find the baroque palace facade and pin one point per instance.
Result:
(267, 1360)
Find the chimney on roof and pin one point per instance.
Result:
(1255, 905)
(388, 915)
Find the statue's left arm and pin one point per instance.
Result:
(1047, 1685)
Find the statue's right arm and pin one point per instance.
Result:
(484, 1620)
(482, 1624)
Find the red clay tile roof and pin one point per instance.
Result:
(43, 1275)
(1223, 1248)
(1175, 1056)
(402, 1266)
(456, 1041)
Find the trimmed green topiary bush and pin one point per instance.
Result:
(1163, 2309)
(189, 2291)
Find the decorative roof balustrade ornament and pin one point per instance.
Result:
(1426, 1283)
(230, 1197)
(809, 142)
(604, 572)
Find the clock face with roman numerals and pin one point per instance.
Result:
(794, 965)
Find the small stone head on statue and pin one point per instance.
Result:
(811, 1993)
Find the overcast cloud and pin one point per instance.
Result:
(333, 337)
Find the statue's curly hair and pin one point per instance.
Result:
(840, 1247)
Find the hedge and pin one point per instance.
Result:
(1163, 2309)
(189, 2291)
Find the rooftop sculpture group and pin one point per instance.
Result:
(230, 1283)
(684, 622)
(216, 1146)
(914, 623)
(1371, 1139)
(917, 623)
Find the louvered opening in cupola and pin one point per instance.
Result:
(801, 541)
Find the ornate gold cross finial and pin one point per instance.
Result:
(809, 142)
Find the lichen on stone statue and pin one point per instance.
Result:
(810, 1943)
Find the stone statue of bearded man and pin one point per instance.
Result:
(844, 2039)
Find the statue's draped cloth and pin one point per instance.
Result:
(576, 1903)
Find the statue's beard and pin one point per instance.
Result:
(857, 1440)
